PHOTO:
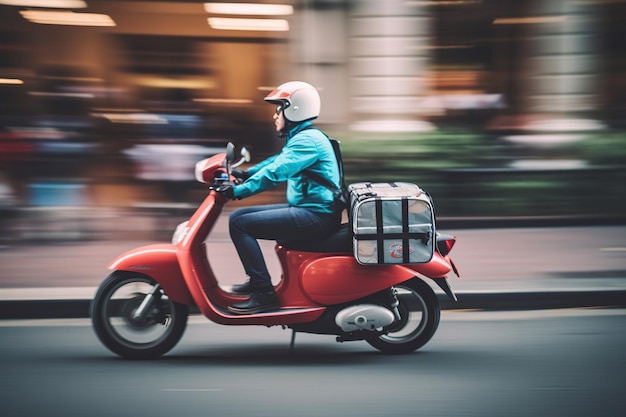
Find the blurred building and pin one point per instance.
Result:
(393, 59)
(84, 82)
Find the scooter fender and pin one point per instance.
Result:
(339, 279)
(160, 263)
(437, 267)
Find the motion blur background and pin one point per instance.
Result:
(496, 107)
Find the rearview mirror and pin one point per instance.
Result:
(245, 154)
(245, 157)
(230, 152)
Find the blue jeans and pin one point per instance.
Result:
(274, 222)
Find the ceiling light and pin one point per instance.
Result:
(11, 81)
(67, 18)
(223, 100)
(164, 82)
(133, 118)
(249, 9)
(223, 23)
(51, 4)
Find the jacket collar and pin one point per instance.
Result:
(298, 128)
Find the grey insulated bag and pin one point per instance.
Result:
(392, 223)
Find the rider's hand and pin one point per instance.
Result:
(227, 189)
(240, 174)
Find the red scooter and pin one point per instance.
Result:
(140, 310)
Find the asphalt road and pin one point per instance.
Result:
(535, 363)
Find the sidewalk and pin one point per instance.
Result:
(501, 268)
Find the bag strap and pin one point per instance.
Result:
(342, 190)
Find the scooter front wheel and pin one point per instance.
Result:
(119, 326)
(420, 313)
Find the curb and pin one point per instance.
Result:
(529, 221)
(535, 300)
(488, 301)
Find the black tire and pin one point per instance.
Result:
(420, 312)
(111, 310)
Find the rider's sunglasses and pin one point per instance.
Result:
(280, 108)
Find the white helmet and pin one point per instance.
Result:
(300, 100)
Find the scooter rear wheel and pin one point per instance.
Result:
(420, 313)
(114, 322)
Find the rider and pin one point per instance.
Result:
(309, 212)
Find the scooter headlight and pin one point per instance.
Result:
(180, 232)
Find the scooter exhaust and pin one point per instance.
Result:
(364, 317)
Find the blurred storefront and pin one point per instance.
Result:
(81, 96)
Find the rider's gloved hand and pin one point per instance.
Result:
(240, 174)
(227, 189)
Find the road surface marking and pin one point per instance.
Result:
(191, 389)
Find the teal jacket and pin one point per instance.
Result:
(305, 149)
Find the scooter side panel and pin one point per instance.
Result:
(339, 279)
(160, 263)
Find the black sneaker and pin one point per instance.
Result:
(257, 303)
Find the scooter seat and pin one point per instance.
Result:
(340, 241)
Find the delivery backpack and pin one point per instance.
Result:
(341, 196)
(391, 223)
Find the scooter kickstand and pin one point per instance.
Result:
(293, 341)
